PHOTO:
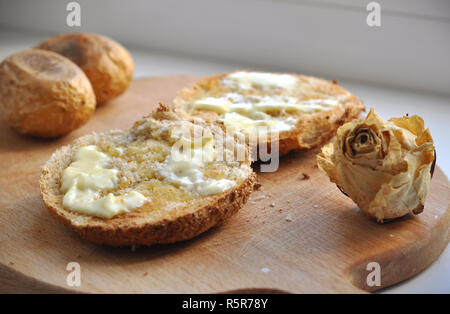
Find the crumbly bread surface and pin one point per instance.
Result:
(173, 213)
(311, 129)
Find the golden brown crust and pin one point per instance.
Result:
(107, 64)
(139, 227)
(44, 94)
(312, 130)
(185, 227)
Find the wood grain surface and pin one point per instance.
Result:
(294, 235)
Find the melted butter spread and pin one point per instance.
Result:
(185, 165)
(86, 177)
(235, 122)
(252, 113)
(248, 80)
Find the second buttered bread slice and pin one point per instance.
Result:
(293, 111)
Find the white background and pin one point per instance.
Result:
(401, 67)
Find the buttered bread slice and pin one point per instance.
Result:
(293, 110)
(166, 179)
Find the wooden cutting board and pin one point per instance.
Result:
(294, 235)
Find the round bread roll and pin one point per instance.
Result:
(44, 94)
(107, 64)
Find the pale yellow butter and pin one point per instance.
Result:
(236, 122)
(247, 80)
(220, 105)
(85, 177)
(251, 115)
(269, 104)
(185, 165)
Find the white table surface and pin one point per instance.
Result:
(388, 102)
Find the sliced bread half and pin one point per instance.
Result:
(293, 110)
(136, 186)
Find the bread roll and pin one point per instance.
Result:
(44, 94)
(107, 64)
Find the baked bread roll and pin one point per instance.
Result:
(292, 111)
(44, 94)
(164, 180)
(107, 64)
(384, 166)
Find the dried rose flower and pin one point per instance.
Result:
(383, 166)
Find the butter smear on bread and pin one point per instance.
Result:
(86, 177)
(184, 166)
(248, 80)
(171, 167)
(258, 102)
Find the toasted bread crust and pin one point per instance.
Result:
(311, 131)
(185, 227)
(139, 227)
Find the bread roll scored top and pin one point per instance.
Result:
(183, 197)
(44, 94)
(297, 111)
